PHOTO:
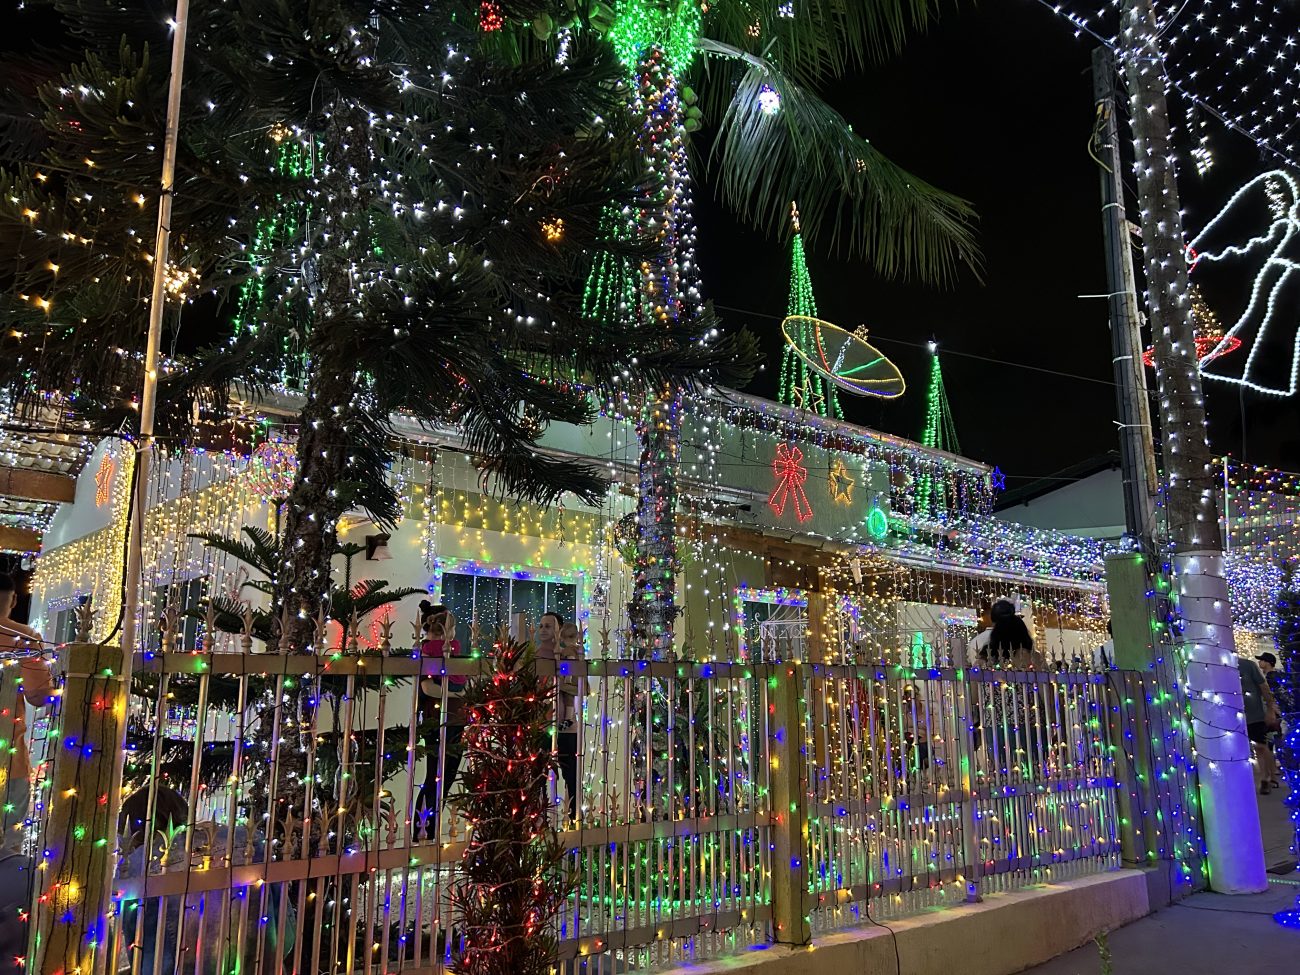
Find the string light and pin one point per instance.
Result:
(1235, 63)
(802, 386)
(1270, 251)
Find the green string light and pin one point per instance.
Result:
(674, 25)
(801, 386)
(940, 433)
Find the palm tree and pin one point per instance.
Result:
(759, 63)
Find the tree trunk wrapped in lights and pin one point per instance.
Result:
(513, 886)
(1204, 623)
(667, 294)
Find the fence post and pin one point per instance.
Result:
(11, 706)
(1124, 696)
(789, 808)
(79, 841)
(967, 701)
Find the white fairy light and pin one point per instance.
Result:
(1266, 311)
(1238, 63)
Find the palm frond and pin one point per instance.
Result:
(852, 200)
(261, 552)
(228, 615)
(818, 39)
(364, 598)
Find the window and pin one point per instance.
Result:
(494, 600)
(64, 628)
(184, 596)
(769, 621)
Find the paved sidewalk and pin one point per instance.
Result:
(1209, 934)
(1278, 835)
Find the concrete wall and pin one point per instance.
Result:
(1005, 933)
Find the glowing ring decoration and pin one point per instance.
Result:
(272, 468)
(843, 357)
(877, 523)
(1205, 349)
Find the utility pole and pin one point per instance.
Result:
(1203, 627)
(1137, 453)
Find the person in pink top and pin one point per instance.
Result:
(439, 632)
(37, 687)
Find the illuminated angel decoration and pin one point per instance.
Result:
(1274, 305)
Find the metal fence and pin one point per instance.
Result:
(717, 805)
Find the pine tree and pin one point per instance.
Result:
(446, 183)
(514, 886)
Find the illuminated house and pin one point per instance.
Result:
(800, 537)
(777, 507)
(1259, 514)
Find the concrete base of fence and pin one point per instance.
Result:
(1003, 934)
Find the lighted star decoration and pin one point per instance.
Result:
(104, 480)
(841, 483)
(999, 479)
(1273, 255)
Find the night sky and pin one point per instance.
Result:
(994, 104)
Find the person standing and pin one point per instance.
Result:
(977, 651)
(1285, 708)
(1009, 640)
(442, 721)
(37, 690)
(1260, 708)
(1276, 680)
(550, 646)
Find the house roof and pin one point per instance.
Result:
(39, 463)
(1108, 461)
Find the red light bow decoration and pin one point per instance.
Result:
(790, 478)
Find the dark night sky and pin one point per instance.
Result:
(995, 104)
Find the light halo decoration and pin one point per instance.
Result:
(845, 358)
(272, 467)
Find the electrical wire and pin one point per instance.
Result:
(948, 352)
(898, 958)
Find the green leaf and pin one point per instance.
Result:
(820, 39)
(852, 200)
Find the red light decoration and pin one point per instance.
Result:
(490, 17)
(791, 476)
(1205, 346)
(1209, 338)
